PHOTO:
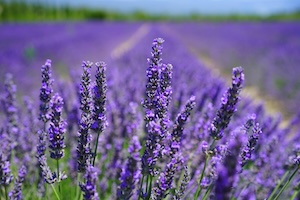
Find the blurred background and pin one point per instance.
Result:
(37, 10)
(263, 36)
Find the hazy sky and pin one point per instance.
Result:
(187, 6)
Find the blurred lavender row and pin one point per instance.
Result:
(268, 51)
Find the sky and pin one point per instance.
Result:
(183, 7)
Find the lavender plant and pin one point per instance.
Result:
(180, 151)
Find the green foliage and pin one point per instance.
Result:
(17, 10)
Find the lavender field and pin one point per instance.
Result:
(99, 110)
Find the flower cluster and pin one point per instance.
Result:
(57, 128)
(228, 106)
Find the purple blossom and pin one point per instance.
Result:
(99, 94)
(130, 172)
(228, 105)
(294, 158)
(165, 179)
(89, 186)
(178, 127)
(86, 106)
(228, 171)
(151, 104)
(5, 173)
(183, 185)
(250, 147)
(46, 91)
(41, 147)
(16, 193)
(57, 128)
(11, 110)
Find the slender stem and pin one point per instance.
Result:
(57, 166)
(46, 190)
(6, 195)
(294, 195)
(77, 188)
(141, 187)
(199, 188)
(56, 194)
(207, 192)
(96, 148)
(278, 185)
(287, 183)
(149, 187)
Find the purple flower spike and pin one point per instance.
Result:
(179, 125)
(228, 105)
(183, 185)
(16, 193)
(89, 187)
(228, 171)
(49, 177)
(86, 107)
(250, 147)
(57, 128)
(100, 90)
(11, 110)
(165, 180)
(153, 106)
(41, 147)
(131, 172)
(46, 92)
(5, 174)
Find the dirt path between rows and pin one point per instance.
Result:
(125, 46)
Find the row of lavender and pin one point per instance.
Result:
(24, 46)
(189, 138)
(269, 53)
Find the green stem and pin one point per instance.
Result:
(141, 187)
(149, 187)
(57, 166)
(287, 183)
(294, 195)
(207, 192)
(278, 185)
(56, 194)
(95, 151)
(6, 195)
(199, 188)
(77, 188)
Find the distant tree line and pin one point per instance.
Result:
(33, 10)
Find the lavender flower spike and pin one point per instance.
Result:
(11, 111)
(131, 172)
(49, 177)
(46, 92)
(165, 180)
(151, 104)
(99, 112)
(89, 187)
(86, 107)
(16, 193)
(5, 174)
(250, 147)
(183, 185)
(57, 128)
(228, 106)
(179, 125)
(100, 90)
(228, 171)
